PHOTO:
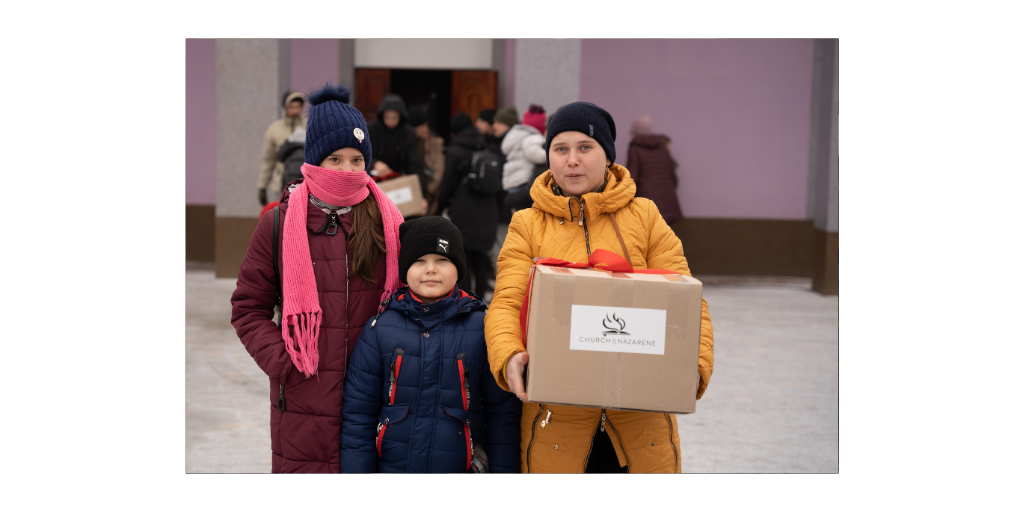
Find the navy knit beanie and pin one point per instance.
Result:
(430, 235)
(585, 118)
(333, 124)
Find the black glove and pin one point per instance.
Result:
(263, 197)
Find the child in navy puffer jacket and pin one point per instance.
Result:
(419, 394)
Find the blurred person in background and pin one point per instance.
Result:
(484, 120)
(292, 156)
(430, 150)
(521, 198)
(276, 135)
(536, 117)
(485, 124)
(524, 151)
(394, 142)
(503, 120)
(651, 166)
(474, 214)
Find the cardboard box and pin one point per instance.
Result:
(613, 340)
(405, 192)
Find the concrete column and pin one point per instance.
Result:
(347, 66)
(200, 147)
(508, 82)
(547, 73)
(498, 64)
(823, 178)
(252, 75)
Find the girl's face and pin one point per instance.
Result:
(345, 159)
(577, 163)
(432, 277)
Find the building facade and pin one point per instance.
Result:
(753, 123)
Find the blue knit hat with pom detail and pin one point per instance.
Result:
(333, 124)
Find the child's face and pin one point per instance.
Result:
(432, 277)
(345, 159)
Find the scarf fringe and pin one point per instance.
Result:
(302, 314)
(303, 346)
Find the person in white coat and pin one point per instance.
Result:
(524, 150)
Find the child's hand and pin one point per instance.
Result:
(514, 374)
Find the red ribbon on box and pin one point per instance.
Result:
(600, 259)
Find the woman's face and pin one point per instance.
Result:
(345, 159)
(577, 163)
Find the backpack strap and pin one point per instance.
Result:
(277, 228)
(277, 272)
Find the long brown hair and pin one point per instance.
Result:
(367, 238)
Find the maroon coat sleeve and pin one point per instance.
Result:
(252, 304)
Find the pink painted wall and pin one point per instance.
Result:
(314, 62)
(737, 111)
(201, 121)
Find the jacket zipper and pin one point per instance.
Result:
(533, 435)
(281, 404)
(583, 221)
(670, 441)
(396, 368)
(591, 449)
(464, 377)
(624, 454)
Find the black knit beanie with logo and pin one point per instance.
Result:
(430, 235)
(585, 118)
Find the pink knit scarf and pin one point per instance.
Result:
(300, 325)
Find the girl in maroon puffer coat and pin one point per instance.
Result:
(336, 261)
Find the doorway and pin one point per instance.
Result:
(442, 92)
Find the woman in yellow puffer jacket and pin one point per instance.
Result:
(582, 203)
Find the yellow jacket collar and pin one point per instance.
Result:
(619, 191)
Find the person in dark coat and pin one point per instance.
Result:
(336, 261)
(291, 155)
(651, 167)
(420, 397)
(394, 142)
(475, 215)
(485, 125)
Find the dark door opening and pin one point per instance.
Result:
(442, 92)
(431, 89)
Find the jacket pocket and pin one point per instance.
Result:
(389, 415)
(469, 420)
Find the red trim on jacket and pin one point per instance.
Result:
(465, 405)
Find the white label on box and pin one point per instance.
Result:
(400, 195)
(617, 329)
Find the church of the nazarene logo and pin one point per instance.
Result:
(612, 329)
(645, 336)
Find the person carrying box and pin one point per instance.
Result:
(585, 202)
